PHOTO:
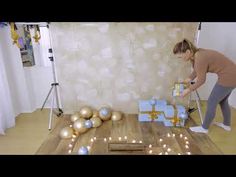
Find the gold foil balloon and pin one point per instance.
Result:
(96, 121)
(95, 113)
(86, 112)
(74, 117)
(116, 115)
(79, 126)
(105, 113)
(66, 133)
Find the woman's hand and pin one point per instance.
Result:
(187, 81)
(185, 92)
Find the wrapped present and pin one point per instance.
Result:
(160, 111)
(151, 110)
(178, 89)
(175, 116)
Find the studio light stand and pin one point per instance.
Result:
(53, 90)
(198, 100)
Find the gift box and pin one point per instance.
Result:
(160, 111)
(178, 89)
(151, 110)
(175, 116)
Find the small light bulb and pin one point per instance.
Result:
(110, 138)
(181, 135)
(105, 140)
(74, 136)
(140, 142)
(185, 138)
(168, 135)
(186, 146)
(91, 140)
(72, 139)
(69, 151)
(150, 151)
(189, 153)
(168, 149)
(186, 142)
(134, 141)
(160, 153)
(88, 147)
(71, 125)
(95, 138)
(166, 153)
(164, 145)
(70, 145)
(179, 154)
(150, 146)
(160, 140)
(119, 138)
(173, 135)
(125, 137)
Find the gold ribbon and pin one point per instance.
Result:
(153, 113)
(175, 120)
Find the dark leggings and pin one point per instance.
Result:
(219, 95)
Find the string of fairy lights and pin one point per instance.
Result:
(150, 149)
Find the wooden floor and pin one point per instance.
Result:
(128, 136)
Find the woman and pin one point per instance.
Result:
(203, 61)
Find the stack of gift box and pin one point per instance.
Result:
(161, 111)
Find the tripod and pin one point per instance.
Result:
(54, 91)
(190, 110)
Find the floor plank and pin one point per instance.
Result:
(53, 139)
(151, 138)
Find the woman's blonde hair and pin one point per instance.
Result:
(183, 46)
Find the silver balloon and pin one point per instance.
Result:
(83, 150)
(105, 113)
(183, 116)
(88, 124)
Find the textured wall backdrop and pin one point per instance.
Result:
(117, 64)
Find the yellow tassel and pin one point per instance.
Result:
(14, 36)
(37, 35)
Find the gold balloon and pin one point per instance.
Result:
(116, 115)
(105, 113)
(96, 121)
(74, 117)
(95, 113)
(66, 132)
(79, 126)
(86, 112)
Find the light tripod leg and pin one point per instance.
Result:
(199, 107)
(189, 100)
(51, 113)
(47, 97)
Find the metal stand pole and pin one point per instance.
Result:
(198, 100)
(53, 90)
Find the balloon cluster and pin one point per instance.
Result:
(88, 118)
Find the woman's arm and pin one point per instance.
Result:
(201, 67)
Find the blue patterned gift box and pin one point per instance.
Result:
(175, 116)
(151, 110)
(159, 110)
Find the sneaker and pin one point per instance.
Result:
(198, 129)
(225, 127)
